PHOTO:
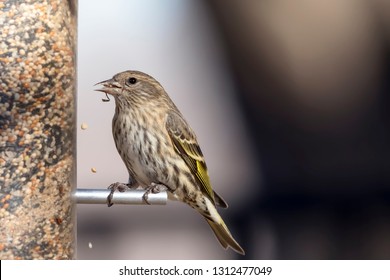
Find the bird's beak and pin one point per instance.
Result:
(110, 86)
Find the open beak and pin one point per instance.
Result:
(109, 86)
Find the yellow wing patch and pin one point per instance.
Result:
(187, 147)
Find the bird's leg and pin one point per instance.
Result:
(153, 188)
(120, 187)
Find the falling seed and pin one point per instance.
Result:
(93, 169)
(84, 126)
(90, 245)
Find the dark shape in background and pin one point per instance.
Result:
(314, 80)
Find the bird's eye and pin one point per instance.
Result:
(132, 80)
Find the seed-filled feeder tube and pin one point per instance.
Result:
(37, 128)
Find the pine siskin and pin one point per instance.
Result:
(160, 149)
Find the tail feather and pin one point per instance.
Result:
(220, 229)
(221, 240)
(208, 210)
(224, 236)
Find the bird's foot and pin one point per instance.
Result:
(121, 187)
(153, 188)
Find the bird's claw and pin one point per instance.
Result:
(113, 188)
(153, 188)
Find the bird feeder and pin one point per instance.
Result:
(37, 128)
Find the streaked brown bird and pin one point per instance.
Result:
(160, 150)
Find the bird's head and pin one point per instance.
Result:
(132, 87)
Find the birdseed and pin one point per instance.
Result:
(37, 128)
(84, 126)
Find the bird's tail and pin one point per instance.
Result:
(222, 232)
(224, 236)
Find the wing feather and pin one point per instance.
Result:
(185, 143)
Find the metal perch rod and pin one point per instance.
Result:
(131, 197)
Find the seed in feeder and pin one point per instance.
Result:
(93, 169)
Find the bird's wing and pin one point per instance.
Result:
(186, 145)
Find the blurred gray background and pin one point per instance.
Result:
(290, 103)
